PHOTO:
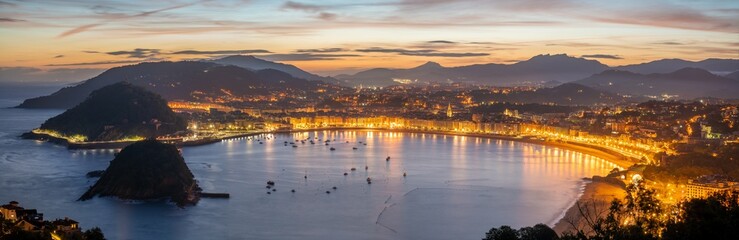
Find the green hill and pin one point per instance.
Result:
(116, 112)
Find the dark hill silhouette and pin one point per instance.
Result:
(116, 112)
(569, 94)
(671, 65)
(147, 170)
(688, 83)
(429, 66)
(539, 70)
(425, 73)
(70, 96)
(734, 75)
(181, 80)
(254, 63)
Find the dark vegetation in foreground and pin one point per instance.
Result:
(10, 231)
(642, 216)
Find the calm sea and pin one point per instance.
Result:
(456, 187)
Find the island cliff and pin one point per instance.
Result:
(147, 169)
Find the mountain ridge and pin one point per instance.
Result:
(674, 64)
(185, 80)
(536, 70)
(255, 63)
(686, 83)
(540, 70)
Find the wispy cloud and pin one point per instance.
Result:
(301, 6)
(310, 8)
(602, 56)
(671, 17)
(426, 28)
(220, 52)
(92, 63)
(444, 54)
(79, 29)
(441, 42)
(147, 13)
(305, 56)
(576, 44)
(59, 56)
(664, 14)
(321, 50)
(29, 75)
(4, 19)
(87, 27)
(137, 53)
(669, 43)
(420, 52)
(392, 50)
(7, 4)
(695, 50)
(327, 16)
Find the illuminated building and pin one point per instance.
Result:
(704, 188)
(449, 112)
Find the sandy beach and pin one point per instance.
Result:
(594, 201)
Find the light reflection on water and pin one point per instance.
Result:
(457, 187)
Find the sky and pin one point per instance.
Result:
(68, 41)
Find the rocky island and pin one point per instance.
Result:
(145, 170)
(117, 112)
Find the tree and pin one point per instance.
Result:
(538, 232)
(716, 217)
(94, 234)
(503, 233)
(639, 216)
(20, 234)
(643, 208)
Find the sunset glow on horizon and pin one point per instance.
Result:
(334, 37)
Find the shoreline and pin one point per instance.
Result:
(596, 196)
(605, 154)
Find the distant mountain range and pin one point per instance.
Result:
(687, 83)
(671, 65)
(687, 79)
(184, 80)
(253, 63)
(567, 94)
(537, 70)
(734, 75)
(238, 76)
